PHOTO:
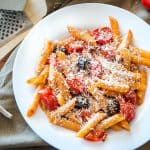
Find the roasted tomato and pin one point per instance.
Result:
(76, 46)
(85, 114)
(128, 110)
(48, 97)
(109, 54)
(146, 4)
(96, 69)
(131, 97)
(96, 135)
(76, 85)
(103, 35)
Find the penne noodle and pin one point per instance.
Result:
(140, 60)
(61, 55)
(124, 124)
(41, 79)
(60, 99)
(65, 42)
(91, 124)
(116, 127)
(109, 122)
(32, 109)
(62, 110)
(68, 124)
(47, 50)
(125, 54)
(113, 87)
(141, 52)
(126, 40)
(85, 36)
(115, 29)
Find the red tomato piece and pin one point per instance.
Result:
(96, 135)
(48, 98)
(96, 69)
(109, 54)
(85, 114)
(146, 4)
(131, 97)
(76, 85)
(103, 35)
(76, 46)
(128, 110)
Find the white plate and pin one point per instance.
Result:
(54, 27)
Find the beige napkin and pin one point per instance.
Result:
(15, 132)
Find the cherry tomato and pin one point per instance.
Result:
(128, 110)
(131, 97)
(109, 54)
(146, 4)
(96, 135)
(96, 69)
(76, 85)
(85, 114)
(48, 98)
(76, 46)
(103, 35)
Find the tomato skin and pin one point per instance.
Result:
(131, 97)
(146, 4)
(103, 35)
(96, 135)
(48, 98)
(109, 54)
(96, 69)
(84, 114)
(76, 46)
(128, 110)
(76, 85)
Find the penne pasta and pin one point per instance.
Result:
(109, 122)
(115, 88)
(47, 50)
(85, 36)
(140, 52)
(115, 29)
(116, 127)
(126, 40)
(91, 124)
(65, 42)
(32, 109)
(140, 60)
(62, 110)
(68, 124)
(41, 79)
(124, 124)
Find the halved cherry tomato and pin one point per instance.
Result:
(131, 97)
(96, 69)
(48, 98)
(96, 135)
(76, 85)
(85, 114)
(128, 110)
(103, 35)
(109, 54)
(76, 46)
(146, 4)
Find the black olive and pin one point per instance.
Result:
(60, 48)
(83, 62)
(82, 102)
(113, 106)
